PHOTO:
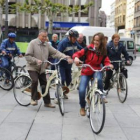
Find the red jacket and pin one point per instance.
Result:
(92, 59)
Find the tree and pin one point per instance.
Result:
(51, 9)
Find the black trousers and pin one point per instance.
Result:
(35, 76)
(107, 79)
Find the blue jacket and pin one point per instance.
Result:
(116, 55)
(68, 48)
(9, 48)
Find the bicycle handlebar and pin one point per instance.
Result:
(87, 65)
(118, 61)
(46, 61)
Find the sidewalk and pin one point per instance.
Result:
(41, 123)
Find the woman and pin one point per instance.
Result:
(94, 56)
(114, 51)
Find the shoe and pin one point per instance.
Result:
(65, 96)
(34, 102)
(105, 101)
(105, 92)
(56, 101)
(82, 112)
(49, 105)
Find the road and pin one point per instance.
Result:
(40, 123)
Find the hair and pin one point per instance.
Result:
(115, 36)
(42, 31)
(102, 47)
(54, 35)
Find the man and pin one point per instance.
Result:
(38, 51)
(54, 43)
(68, 46)
(81, 40)
(8, 49)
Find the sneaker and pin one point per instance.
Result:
(82, 112)
(34, 102)
(105, 92)
(49, 105)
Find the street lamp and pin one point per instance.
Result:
(6, 18)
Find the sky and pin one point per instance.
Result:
(106, 6)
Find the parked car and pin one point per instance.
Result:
(138, 47)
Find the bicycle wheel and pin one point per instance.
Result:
(60, 98)
(97, 113)
(6, 79)
(22, 91)
(16, 71)
(122, 88)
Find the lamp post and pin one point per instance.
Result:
(6, 18)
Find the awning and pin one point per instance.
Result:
(66, 24)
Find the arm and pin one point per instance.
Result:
(124, 52)
(3, 48)
(29, 56)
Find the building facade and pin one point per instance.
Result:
(136, 29)
(112, 15)
(129, 24)
(120, 14)
(23, 21)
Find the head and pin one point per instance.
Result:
(99, 43)
(80, 38)
(42, 35)
(73, 35)
(115, 39)
(106, 39)
(54, 37)
(12, 37)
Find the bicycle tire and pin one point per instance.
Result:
(122, 89)
(60, 98)
(16, 71)
(6, 83)
(21, 90)
(97, 107)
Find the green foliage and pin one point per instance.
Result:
(2, 2)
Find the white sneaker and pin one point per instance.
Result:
(105, 91)
(34, 102)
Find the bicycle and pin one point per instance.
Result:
(119, 81)
(6, 79)
(22, 91)
(16, 70)
(95, 109)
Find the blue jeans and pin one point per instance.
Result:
(83, 85)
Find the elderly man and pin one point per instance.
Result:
(54, 43)
(81, 40)
(38, 51)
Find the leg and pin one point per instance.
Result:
(43, 82)
(63, 75)
(68, 76)
(82, 89)
(34, 76)
(107, 79)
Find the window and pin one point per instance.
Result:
(130, 44)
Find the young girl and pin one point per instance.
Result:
(95, 54)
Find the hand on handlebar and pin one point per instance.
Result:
(128, 62)
(3, 52)
(20, 55)
(111, 66)
(70, 61)
(39, 62)
(77, 61)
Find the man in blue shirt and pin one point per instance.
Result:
(68, 46)
(8, 49)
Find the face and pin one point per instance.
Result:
(42, 36)
(116, 41)
(96, 41)
(55, 38)
(11, 40)
(80, 39)
(73, 39)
